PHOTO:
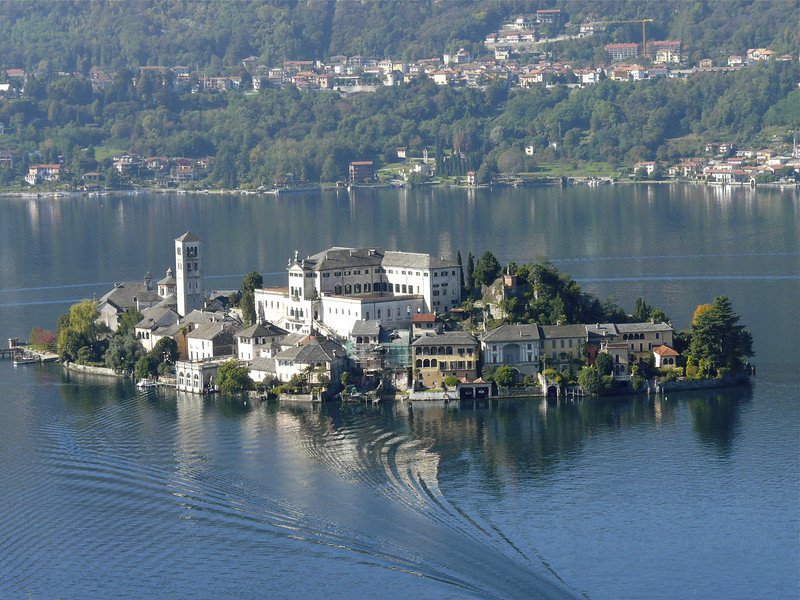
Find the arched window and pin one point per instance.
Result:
(426, 362)
(348, 289)
(379, 313)
(417, 350)
(433, 362)
(388, 313)
(366, 288)
(391, 287)
(426, 350)
(448, 350)
(358, 339)
(357, 288)
(408, 310)
(625, 336)
(419, 361)
(440, 350)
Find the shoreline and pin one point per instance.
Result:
(588, 181)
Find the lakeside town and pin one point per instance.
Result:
(515, 56)
(370, 323)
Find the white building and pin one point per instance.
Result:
(189, 273)
(333, 289)
(515, 345)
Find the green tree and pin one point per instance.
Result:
(123, 353)
(718, 338)
(165, 351)
(233, 379)
(79, 328)
(460, 271)
(504, 376)
(128, 321)
(250, 282)
(604, 363)
(470, 275)
(486, 270)
(145, 367)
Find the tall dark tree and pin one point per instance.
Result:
(460, 271)
(718, 337)
(470, 273)
(250, 282)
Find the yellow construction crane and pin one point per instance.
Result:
(644, 31)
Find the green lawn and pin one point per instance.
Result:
(574, 169)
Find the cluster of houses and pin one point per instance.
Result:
(724, 163)
(367, 310)
(162, 170)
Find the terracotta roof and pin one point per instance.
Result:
(664, 350)
(423, 318)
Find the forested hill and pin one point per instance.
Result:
(73, 36)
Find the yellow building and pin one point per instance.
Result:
(436, 357)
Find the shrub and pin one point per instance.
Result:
(451, 381)
(637, 382)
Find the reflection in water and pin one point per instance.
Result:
(715, 416)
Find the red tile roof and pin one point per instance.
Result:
(665, 350)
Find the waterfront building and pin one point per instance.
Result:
(361, 170)
(333, 289)
(189, 273)
(515, 345)
(562, 346)
(436, 357)
(665, 357)
(315, 357)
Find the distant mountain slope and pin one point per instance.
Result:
(69, 35)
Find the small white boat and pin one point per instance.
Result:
(25, 360)
(146, 383)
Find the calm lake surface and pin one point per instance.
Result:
(106, 492)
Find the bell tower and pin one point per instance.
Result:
(188, 273)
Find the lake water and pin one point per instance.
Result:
(108, 492)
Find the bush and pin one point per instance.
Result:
(637, 382)
(451, 381)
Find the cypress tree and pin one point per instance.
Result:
(460, 271)
(470, 273)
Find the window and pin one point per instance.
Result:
(388, 313)
(326, 274)
(179, 251)
(366, 287)
(347, 273)
(379, 313)
(405, 288)
(357, 288)
(366, 317)
(348, 289)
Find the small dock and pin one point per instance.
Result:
(22, 354)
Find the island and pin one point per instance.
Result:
(372, 323)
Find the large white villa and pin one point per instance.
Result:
(333, 289)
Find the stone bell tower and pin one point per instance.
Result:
(188, 273)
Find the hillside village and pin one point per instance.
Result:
(513, 56)
(355, 320)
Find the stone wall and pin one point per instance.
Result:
(106, 371)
